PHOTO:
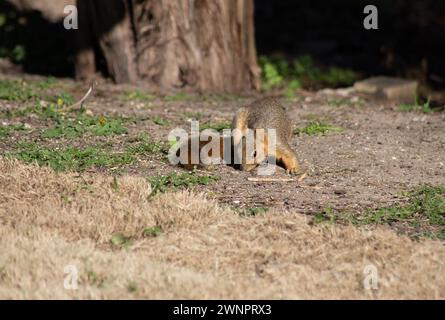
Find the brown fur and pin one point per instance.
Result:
(186, 159)
(264, 114)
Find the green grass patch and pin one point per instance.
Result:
(96, 279)
(6, 130)
(132, 287)
(426, 204)
(14, 90)
(318, 128)
(175, 181)
(152, 232)
(69, 158)
(280, 73)
(136, 95)
(327, 215)
(46, 84)
(193, 115)
(64, 99)
(80, 159)
(415, 107)
(181, 96)
(146, 145)
(160, 121)
(122, 241)
(70, 124)
(44, 111)
(22, 91)
(107, 126)
(74, 128)
(254, 211)
(218, 126)
(423, 214)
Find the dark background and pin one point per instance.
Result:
(410, 41)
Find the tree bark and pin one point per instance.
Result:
(203, 45)
(196, 45)
(85, 58)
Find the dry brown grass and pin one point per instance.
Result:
(50, 220)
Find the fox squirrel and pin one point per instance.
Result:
(266, 113)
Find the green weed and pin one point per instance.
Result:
(415, 107)
(5, 130)
(174, 181)
(46, 84)
(146, 145)
(425, 203)
(69, 158)
(423, 214)
(254, 211)
(277, 72)
(152, 232)
(121, 240)
(160, 121)
(96, 125)
(14, 90)
(182, 97)
(327, 215)
(317, 127)
(136, 95)
(218, 126)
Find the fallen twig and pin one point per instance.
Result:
(270, 179)
(302, 177)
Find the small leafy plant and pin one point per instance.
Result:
(254, 211)
(122, 241)
(152, 232)
(136, 95)
(174, 181)
(278, 73)
(69, 158)
(96, 125)
(416, 107)
(5, 130)
(218, 126)
(316, 127)
(13, 90)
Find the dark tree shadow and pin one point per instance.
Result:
(410, 40)
(31, 41)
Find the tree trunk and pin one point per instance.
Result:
(85, 59)
(109, 23)
(197, 45)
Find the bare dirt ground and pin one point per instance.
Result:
(380, 154)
